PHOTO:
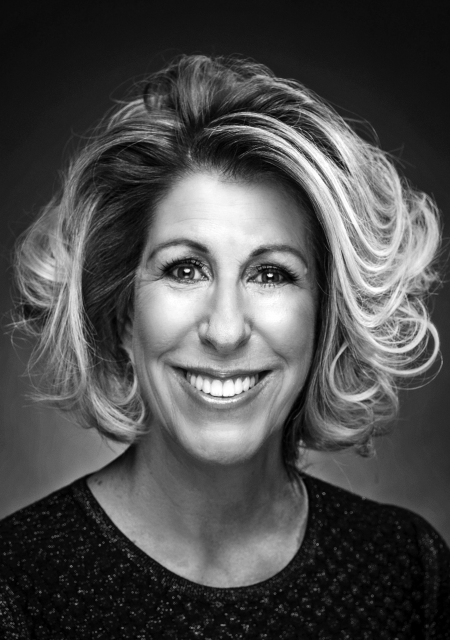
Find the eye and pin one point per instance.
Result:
(269, 275)
(186, 271)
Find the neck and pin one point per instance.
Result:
(195, 497)
(221, 525)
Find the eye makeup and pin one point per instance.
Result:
(264, 270)
(190, 269)
(174, 269)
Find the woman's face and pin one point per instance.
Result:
(223, 325)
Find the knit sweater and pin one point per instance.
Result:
(364, 570)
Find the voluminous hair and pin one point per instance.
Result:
(375, 240)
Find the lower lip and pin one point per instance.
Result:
(219, 401)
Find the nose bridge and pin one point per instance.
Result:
(227, 325)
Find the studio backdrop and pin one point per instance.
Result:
(384, 63)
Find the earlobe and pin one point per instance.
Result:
(127, 337)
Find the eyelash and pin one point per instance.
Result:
(262, 268)
(287, 274)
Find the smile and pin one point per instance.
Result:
(222, 388)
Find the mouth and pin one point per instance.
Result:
(222, 386)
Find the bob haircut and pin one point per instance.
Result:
(375, 240)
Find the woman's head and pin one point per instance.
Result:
(372, 239)
(222, 331)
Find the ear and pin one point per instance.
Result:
(127, 336)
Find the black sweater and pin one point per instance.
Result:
(364, 570)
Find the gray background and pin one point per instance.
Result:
(386, 62)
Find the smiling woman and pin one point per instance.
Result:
(228, 276)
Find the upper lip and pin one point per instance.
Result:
(220, 373)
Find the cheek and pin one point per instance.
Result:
(161, 319)
(289, 325)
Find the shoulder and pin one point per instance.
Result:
(49, 518)
(30, 539)
(45, 532)
(393, 543)
(64, 568)
(363, 516)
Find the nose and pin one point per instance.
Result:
(225, 325)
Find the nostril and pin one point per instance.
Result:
(225, 325)
(225, 335)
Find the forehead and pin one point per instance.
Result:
(207, 206)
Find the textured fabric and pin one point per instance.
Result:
(364, 571)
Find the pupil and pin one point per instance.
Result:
(185, 273)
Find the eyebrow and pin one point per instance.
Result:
(279, 248)
(198, 246)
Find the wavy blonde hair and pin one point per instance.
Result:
(375, 241)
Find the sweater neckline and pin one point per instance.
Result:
(295, 569)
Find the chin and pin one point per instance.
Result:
(227, 446)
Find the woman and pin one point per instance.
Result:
(229, 275)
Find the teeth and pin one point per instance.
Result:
(216, 388)
(222, 388)
(228, 389)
